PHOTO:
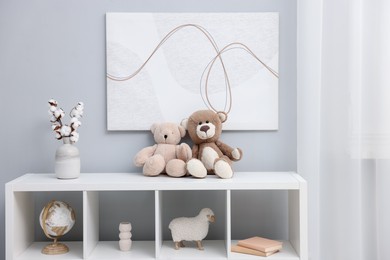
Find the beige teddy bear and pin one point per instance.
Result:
(167, 155)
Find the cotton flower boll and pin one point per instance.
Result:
(78, 110)
(53, 102)
(75, 120)
(59, 113)
(58, 135)
(56, 127)
(51, 111)
(65, 130)
(53, 119)
(74, 126)
(75, 123)
(74, 136)
(76, 113)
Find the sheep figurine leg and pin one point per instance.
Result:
(199, 244)
(179, 244)
(191, 229)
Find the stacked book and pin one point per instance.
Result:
(257, 246)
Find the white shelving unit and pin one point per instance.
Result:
(20, 244)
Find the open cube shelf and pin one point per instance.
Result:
(94, 193)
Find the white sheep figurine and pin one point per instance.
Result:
(191, 229)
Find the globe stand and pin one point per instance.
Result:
(55, 248)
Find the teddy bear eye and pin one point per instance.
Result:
(200, 123)
(207, 122)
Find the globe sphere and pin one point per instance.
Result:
(57, 218)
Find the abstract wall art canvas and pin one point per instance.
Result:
(154, 78)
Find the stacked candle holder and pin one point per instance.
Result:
(125, 236)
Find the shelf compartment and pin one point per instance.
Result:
(74, 199)
(289, 205)
(141, 250)
(33, 252)
(24, 233)
(187, 203)
(287, 253)
(213, 249)
(136, 207)
(184, 203)
(102, 217)
(266, 210)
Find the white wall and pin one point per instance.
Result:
(57, 49)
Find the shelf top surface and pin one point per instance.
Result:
(137, 181)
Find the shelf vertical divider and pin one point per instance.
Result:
(20, 221)
(10, 221)
(158, 223)
(298, 228)
(228, 230)
(90, 222)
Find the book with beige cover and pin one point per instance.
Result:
(245, 250)
(261, 244)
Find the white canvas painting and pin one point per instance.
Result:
(169, 86)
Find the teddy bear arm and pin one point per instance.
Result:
(183, 152)
(234, 154)
(195, 151)
(141, 157)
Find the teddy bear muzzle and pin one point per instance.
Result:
(205, 131)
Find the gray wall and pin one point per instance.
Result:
(57, 49)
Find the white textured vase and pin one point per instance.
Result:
(67, 161)
(125, 236)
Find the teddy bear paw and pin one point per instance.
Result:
(196, 168)
(154, 165)
(176, 168)
(236, 154)
(223, 169)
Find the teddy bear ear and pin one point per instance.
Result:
(222, 116)
(184, 123)
(153, 127)
(182, 130)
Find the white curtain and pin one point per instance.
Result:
(344, 126)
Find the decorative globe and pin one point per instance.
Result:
(56, 219)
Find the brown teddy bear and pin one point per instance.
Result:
(167, 155)
(209, 154)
